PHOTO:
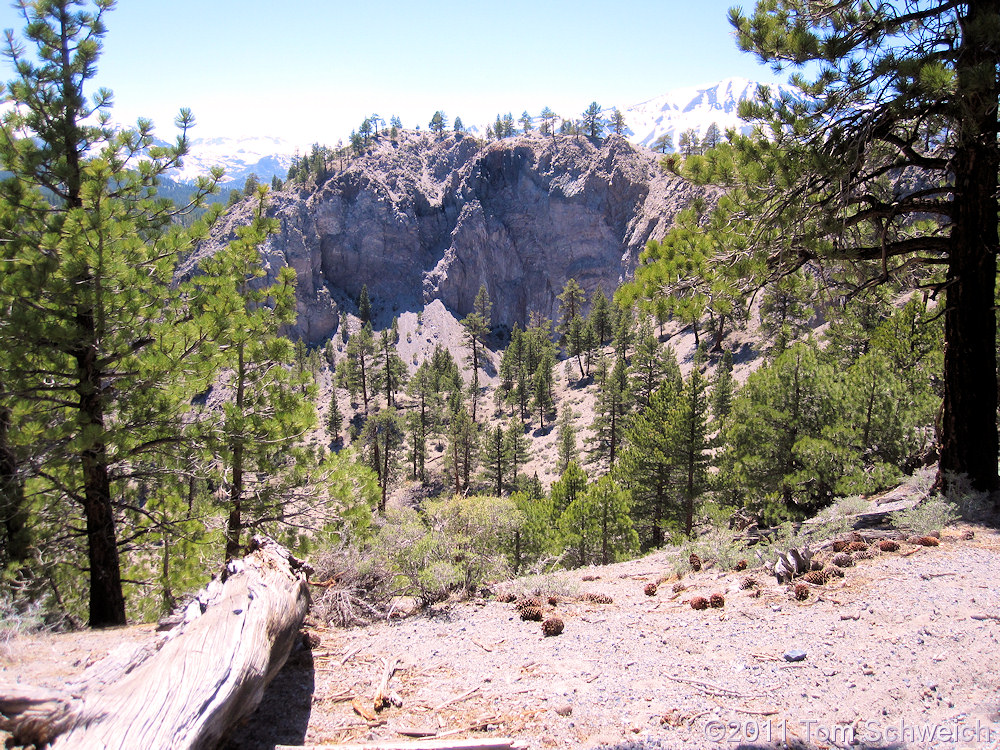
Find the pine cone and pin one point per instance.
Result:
(968, 535)
(506, 597)
(590, 578)
(840, 545)
(816, 577)
(678, 587)
(532, 613)
(866, 554)
(801, 592)
(857, 547)
(926, 541)
(650, 589)
(832, 571)
(748, 583)
(530, 602)
(699, 602)
(553, 601)
(755, 594)
(843, 560)
(598, 598)
(552, 626)
(717, 601)
(742, 565)
(888, 545)
(695, 562)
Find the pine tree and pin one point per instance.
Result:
(712, 137)
(360, 368)
(364, 305)
(477, 327)
(663, 143)
(613, 401)
(571, 301)
(593, 123)
(525, 122)
(898, 87)
(572, 483)
(649, 467)
(721, 398)
(566, 440)
(93, 322)
(383, 437)
(544, 400)
(548, 118)
(463, 441)
(617, 122)
(257, 442)
(335, 417)
(495, 459)
(516, 449)
(692, 443)
(393, 368)
(601, 316)
(438, 123)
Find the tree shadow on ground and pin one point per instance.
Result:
(282, 718)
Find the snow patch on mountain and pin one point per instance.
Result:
(695, 108)
(264, 156)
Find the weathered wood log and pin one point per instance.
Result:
(209, 672)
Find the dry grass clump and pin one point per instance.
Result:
(552, 626)
(717, 601)
(801, 592)
(699, 602)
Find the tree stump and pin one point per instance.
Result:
(208, 673)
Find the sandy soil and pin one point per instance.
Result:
(906, 644)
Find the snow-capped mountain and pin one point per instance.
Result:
(694, 108)
(265, 156)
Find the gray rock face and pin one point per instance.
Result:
(424, 218)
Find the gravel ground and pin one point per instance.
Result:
(906, 643)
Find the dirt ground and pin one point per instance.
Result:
(902, 652)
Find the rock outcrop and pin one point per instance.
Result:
(424, 218)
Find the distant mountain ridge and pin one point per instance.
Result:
(696, 107)
(692, 107)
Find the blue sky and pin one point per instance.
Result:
(311, 70)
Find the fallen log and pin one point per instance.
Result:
(209, 671)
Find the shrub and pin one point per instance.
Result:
(932, 514)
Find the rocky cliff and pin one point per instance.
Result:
(424, 218)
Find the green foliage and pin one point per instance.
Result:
(596, 526)
(453, 547)
(593, 123)
(94, 327)
(930, 515)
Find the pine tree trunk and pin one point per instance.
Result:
(107, 603)
(968, 425)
